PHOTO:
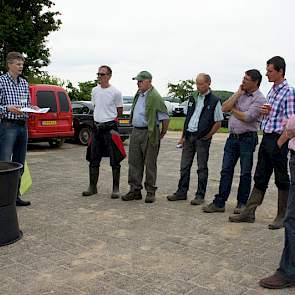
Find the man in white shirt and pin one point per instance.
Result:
(108, 105)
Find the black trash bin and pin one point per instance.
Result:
(9, 180)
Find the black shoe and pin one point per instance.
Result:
(175, 197)
(150, 198)
(20, 202)
(132, 195)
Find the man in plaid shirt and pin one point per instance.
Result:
(14, 94)
(273, 150)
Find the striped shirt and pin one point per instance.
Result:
(282, 100)
(14, 93)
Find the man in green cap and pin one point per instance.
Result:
(148, 113)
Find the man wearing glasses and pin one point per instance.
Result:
(108, 105)
(148, 113)
(243, 124)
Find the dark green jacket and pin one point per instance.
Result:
(154, 104)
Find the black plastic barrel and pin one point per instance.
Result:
(9, 180)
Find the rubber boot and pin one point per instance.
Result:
(248, 214)
(116, 183)
(282, 207)
(93, 178)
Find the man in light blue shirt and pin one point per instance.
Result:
(204, 116)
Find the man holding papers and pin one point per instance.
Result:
(14, 95)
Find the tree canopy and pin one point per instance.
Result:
(24, 27)
(184, 88)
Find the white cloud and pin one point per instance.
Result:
(173, 39)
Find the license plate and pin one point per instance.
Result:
(124, 121)
(48, 123)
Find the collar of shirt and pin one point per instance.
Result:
(13, 80)
(277, 88)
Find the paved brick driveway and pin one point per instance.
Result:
(96, 245)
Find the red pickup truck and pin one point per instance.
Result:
(55, 125)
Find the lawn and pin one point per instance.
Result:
(176, 124)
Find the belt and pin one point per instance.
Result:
(18, 122)
(273, 134)
(103, 125)
(245, 134)
(141, 128)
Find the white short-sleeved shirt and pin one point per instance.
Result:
(106, 101)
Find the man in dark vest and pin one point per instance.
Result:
(204, 116)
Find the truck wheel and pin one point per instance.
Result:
(56, 142)
(84, 135)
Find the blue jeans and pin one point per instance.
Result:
(287, 264)
(192, 145)
(237, 147)
(13, 142)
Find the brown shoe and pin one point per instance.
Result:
(240, 207)
(197, 201)
(211, 208)
(276, 281)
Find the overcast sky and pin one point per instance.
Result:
(174, 40)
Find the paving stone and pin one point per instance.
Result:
(96, 245)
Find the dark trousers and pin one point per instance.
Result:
(287, 264)
(191, 146)
(101, 145)
(142, 154)
(237, 147)
(13, 142)
(272, 159)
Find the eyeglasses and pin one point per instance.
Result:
(101, 74)
(140, 81)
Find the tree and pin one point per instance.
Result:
(24, 27)
(83, 92)
(45, 78)
(182, 89)
(185, 88)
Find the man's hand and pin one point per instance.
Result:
(265, 109)
(240, 91)
(14, 109)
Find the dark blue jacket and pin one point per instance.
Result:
(206, 120)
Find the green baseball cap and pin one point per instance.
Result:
(143, 75)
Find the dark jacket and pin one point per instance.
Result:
(206, 120)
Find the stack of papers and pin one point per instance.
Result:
(30, 110)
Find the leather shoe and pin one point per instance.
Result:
(197, 201)
(132, 195)
(239, 208)
(150, 198)
(276, 281)
(175, 197)
(211, 208)
(20, 202)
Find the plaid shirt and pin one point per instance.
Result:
(13, 93)
(282, 100)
